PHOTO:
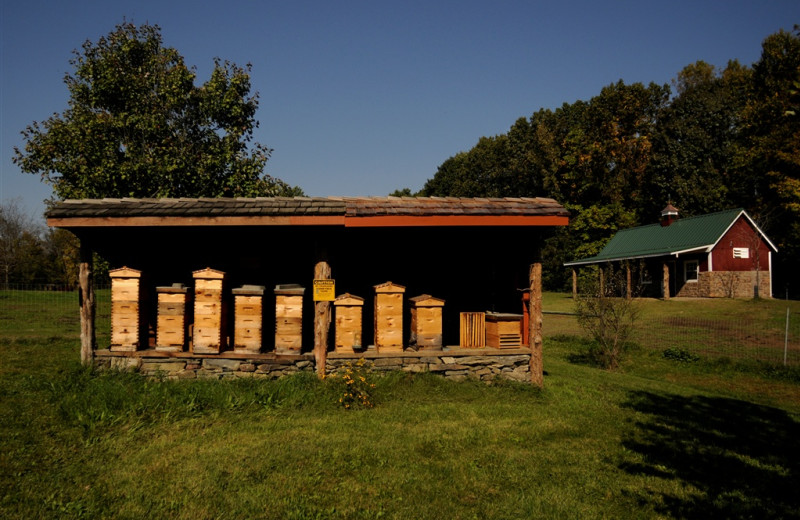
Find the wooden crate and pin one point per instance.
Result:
(288, 319)
(128, 323)
(503, 330)
(172, 323)
(389, 317)
(248, 315)
(210, 312)
(473, 329)
(426, 322)
(349, 311)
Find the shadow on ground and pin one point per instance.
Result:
(744, 459)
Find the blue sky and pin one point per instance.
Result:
(365, 97)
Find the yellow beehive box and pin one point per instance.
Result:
(389, 317)
(473, 329)
(171, 324)
(426, 322)
(210, 312)
(349, 310)
(288, 318)
(503, 330)
(248, 312)
(128, 327)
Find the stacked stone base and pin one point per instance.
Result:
(455, 364)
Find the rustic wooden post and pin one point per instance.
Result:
(665, 281)
(627, 280)
(602, 275)
(87, 303)
(322, 321)
(574, 284)
(535, 332)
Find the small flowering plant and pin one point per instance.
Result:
(354, 380)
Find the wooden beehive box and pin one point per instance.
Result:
(288, 318)
(210, 312)
(503, 330)
(426, 322)
(473, 330)
(171, 324)
(248, 315)
(389, 317)
(128, 326)
(349, 310)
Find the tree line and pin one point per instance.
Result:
(719, 138)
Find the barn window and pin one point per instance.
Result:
(690, 270)
(741, 252)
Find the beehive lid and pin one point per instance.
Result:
(208, 274)
(389, 287)
(289, 289)
(499, 316)
(250, 290)
(348, 299)
(125, 272)
(176, 288)
(426, 300)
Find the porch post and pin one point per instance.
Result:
(627, 280)
(86, 301)
(322, 321)
(535, 331)
(665, 282)
(574, 283)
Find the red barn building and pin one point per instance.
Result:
(719, 255)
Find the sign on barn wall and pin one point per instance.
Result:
(324, 290)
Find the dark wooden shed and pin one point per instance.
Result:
(474, 253)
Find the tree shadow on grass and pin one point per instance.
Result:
(742, 458)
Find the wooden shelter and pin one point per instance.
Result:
(356, 241)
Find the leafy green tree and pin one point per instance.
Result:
(769, 150)
(137, 126)
(695, 139)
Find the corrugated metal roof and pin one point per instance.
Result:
(698, 233)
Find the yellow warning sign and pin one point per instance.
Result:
(324, 290)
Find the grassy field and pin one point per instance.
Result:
(659, 438)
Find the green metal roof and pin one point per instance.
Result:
(698, 233)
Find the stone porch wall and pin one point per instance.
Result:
(456, 364)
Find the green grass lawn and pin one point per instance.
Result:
(656, 439)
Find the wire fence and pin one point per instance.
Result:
(772, 340)
(36, 311)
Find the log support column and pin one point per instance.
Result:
(665, 282)
(535, 331)
(322, 321)
(628, 280)
(86, 301)
(574, 283)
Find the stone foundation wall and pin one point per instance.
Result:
(514, 367)
(727, 284)
(485, 364)
(208, 368)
